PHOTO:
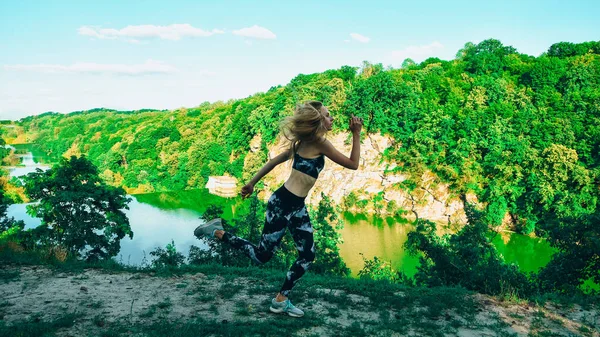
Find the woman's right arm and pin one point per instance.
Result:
(249, 187)
(336, 156)
(281, 158)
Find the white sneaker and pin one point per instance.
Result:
(285, 307)
(208, 229)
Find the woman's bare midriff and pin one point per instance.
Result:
(299, 183)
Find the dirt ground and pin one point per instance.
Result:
(102, 297)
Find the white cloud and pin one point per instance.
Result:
(88, 31)
(171, 32)
(417, 53)
(256, 32)
(149, 67)
(359, 38)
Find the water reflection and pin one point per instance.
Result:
(152, 227)
(530, 254)
(369, 237)
(30, 166)
(29, 161)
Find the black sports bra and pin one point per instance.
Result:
(310, 166)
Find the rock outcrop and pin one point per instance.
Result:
(431, 201)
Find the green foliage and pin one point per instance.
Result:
(168, 257)
(578, 258)
(77, 209)
(378, 269)
(350, 200)
(4, 151)
(487, 57)
(34, 326)
(568, 49)
(380, 100)
(326, 225)
(467, 258)
(10, 229)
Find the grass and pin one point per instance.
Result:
(205, 298)
(355, 329)
(163, 307)
(244, 309)
(35, 327)
(8, 276)
(95, 304)
(99, 321)
(166, 303)
(206, 327)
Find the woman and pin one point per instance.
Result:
(305, 131)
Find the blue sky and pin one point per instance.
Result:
(75, 55)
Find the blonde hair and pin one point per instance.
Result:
(305, 125)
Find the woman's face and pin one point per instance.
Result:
(328, 119)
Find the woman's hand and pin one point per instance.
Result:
(247, 191)
(356, 124)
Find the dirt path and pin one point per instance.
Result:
(103, 299)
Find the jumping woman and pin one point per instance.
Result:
(305, 131)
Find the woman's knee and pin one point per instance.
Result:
(308, 256)
(264, 257)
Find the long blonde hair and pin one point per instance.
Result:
(305, 125)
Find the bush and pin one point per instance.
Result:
(467, 258)
(168, 257)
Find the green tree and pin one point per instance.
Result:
(578, 258)
(78, 210)
(467, 258)
(407, 63)
(10, 229)
(487, 57)
(568, 49)
(325, 223)
(4, 151)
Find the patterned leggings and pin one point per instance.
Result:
(284, 210)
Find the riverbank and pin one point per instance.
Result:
(210, 300)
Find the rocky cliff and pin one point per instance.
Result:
(430, 201)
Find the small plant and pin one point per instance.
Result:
(378, 269)
(99, 321)
(164, 304)
(95, 305)
(244, 309)
(205, 298)
(168, 257)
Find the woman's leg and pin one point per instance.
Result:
(302, 232)
(273, 231)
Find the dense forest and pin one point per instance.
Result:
(518, 132)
